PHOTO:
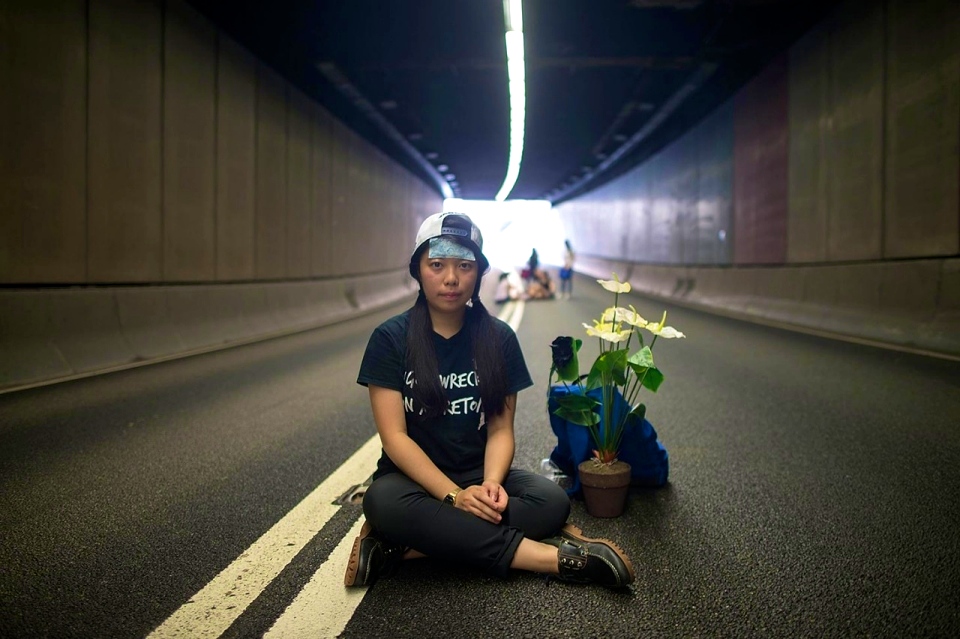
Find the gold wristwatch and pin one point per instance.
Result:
(451, 497)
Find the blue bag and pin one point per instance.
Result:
(648, 459)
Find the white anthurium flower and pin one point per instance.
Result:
(607, 332)
(615, 285)
(666, 332)
(622, 315)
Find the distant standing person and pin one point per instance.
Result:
(566, 273)
(532, 265)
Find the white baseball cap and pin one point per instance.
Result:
(451, 225)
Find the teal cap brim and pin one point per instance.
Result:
(441, 247)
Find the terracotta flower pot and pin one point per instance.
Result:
(605, 487)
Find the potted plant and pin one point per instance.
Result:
(604, 401)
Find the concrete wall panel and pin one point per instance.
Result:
(426, 202)
(189, 145)
(598, 224)
(617, 220)
(638, 243)
(145, 317)
(392, 199)
(43, 141)
(407, 209)
(854, 286)
(124, 231)
(675, 208)
(573, 217)
(48, 335)
(371, 202)
(270, 234)
(203, 316)
(760, 167)
(647, 225)
(299, 154)
(948, 297)
(340, 201)
(236, 161)
(685, 193)
(668, 238)
(364, 213)
(623, 209)
(714, 212)
(808, 159)
(661, 213)
(28, 352)
(350, 225)
(370, 209)
(779, 284)
(922, 211)
(855, 142)
(87, 328)
(387, 194)
(320, 192)
(397, 202)
(395, 194)
(910, 286)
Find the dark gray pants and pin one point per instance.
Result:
(403, 512)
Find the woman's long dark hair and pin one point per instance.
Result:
(486, 354)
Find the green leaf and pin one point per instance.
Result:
(575, 401)
(637, 370)
(652, 379)
(570, 372)
(642, 358)
(594, 379)
(579, 417)
(639, 412)
(577, 409)
(609, 368)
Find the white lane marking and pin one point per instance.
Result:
(512, 314)
(211, 611)
(324, 606)
(506, 311)
(517, 316)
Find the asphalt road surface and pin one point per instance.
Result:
(814, 492)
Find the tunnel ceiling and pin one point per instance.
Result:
(609, 82)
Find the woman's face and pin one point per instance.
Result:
(447, 282)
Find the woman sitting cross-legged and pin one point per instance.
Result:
(443, 379)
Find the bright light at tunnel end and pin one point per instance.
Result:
(511, 229)
(513, 19)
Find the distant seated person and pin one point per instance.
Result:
(510, 287)
(541, 286)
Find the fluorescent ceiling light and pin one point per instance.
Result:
(516, 76)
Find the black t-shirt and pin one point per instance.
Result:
(457, 439)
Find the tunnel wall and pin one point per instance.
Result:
(147, 159)
(823, 194)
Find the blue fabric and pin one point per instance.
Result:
(648, 459)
